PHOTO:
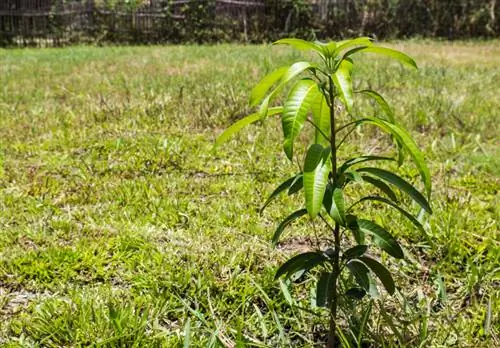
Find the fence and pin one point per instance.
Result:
(60, 22)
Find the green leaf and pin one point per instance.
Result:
(335, 205)
(297, 185)
(321, 118)
(399, 183)
(343, 83)
(360, 273)
(403, 58)
(300, 44)
(261, 89)
(284, 186)
(361, 159)
(353, 175)
(406, 214)
(382, 186)
(356, 293)
(381, 102)
(324, 289)
(354, 252)
(288, 220)
(381, 272)
(347, 44)
(352, 225)
(405, 140)
(301, 262)
(295, 111)
(237, 126)
(382, 238)
(292, 71)
(316, 170)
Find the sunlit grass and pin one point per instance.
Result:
(120, 224)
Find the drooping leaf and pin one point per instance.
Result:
(295, 111)
(360, 273)
(353, 175)
(292, 71)
(297, 185)
(399, 183)
(347, 44)
(381, 237)
(343, 83)
(260, 90)
(300, 44)
(361, 159)
(356, 293)
(237, 126)
(403, 212)
(403, 58)
(300, 262)
(324, 289)
(352, 225)
(321, 118)
(381, 272)
(354, 252)
(316, 169)
(288, 220)
(381, 102)
(406, 141)
(286, 185)
(335, 205)
(382, 186)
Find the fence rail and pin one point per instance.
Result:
(59, 22)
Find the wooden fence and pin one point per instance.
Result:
(60, 22)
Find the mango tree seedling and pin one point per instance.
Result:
(321, 95)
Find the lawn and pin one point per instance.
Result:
(120, 225)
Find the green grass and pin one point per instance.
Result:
(120, 226)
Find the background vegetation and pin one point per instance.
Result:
(119, 224)
(60, 22)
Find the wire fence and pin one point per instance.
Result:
(62, 22)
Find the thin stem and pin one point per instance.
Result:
(345, 137)
(333, 340)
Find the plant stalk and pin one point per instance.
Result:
(333, 340)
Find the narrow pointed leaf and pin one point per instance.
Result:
(381, 272)
(295, 112)
(347, 44)
(297, 185)
(353, 226)
(292, 71)
(361, 159)
(406, 141)
(354, 252)
(260, 90)
(288, 220)
(237, 126)
(324, 289)
(321, 118)
(360, 272)
(356, 293)
(403, 212)
(301, 262)
(343, 83)
(300, 44)
(287, 184)
(316, 169)
(403, 58)
(399, 183)
(382, 186)
(381, 237)
(381, 102)
(353, 175)
(334, 204)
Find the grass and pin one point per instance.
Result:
(120, 226)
